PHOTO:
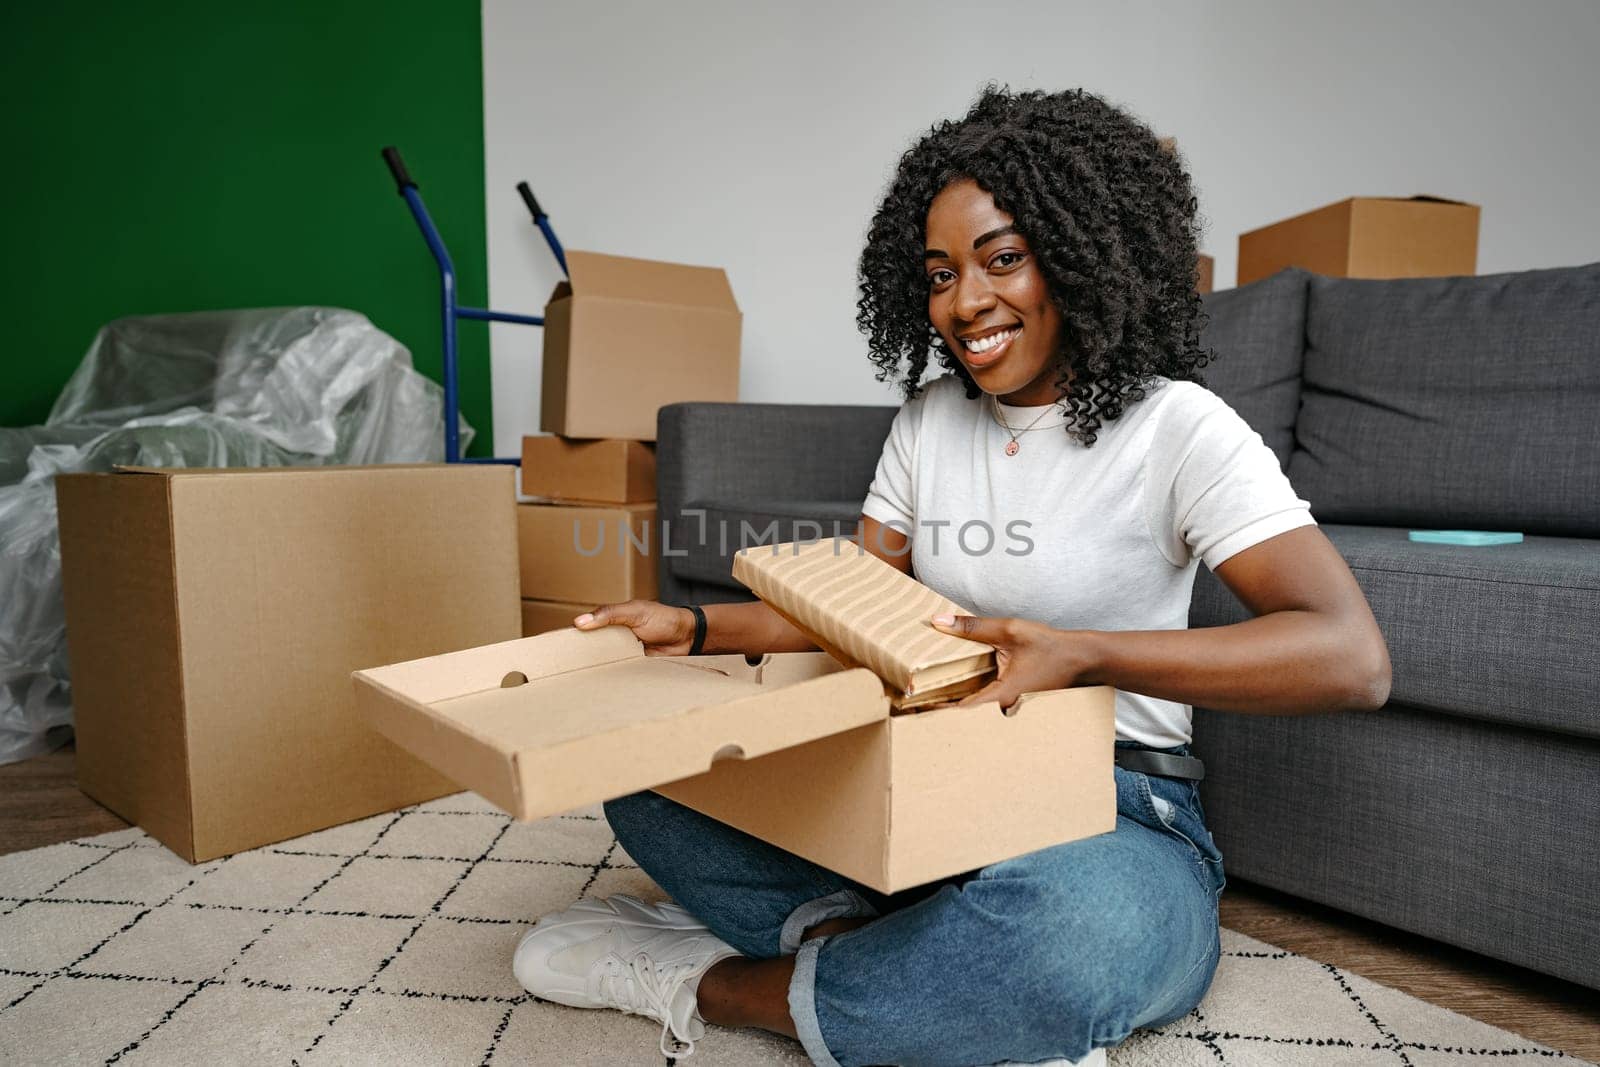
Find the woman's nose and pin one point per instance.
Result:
(974, 295)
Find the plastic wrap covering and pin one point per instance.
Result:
(276, 387)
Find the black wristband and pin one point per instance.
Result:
(699, 642)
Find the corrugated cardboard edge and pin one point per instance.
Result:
(765, 584)
(183, 684)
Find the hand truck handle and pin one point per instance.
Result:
(397, 167)
(532, 201)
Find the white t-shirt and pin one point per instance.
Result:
(1101, 538)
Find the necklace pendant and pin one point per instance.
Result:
(1012, 448)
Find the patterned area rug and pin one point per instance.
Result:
(389, 941)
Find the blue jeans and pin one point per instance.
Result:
(1044, 956)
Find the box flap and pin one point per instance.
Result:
(584, 717)
(650, 281)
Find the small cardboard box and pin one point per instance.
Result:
(594, 554)
(1368, 237)
(214, 617)
(623, 337)
(607, 472)
(542, 616)
(795, 750)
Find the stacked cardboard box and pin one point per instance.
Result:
(623, 338)
(592, 536)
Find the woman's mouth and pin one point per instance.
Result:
(986, 350)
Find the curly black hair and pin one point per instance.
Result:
(1110, 214)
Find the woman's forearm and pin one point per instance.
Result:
(1285, 662)
(753, 629)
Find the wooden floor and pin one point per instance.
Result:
(41, 805)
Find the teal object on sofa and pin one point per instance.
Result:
(1468, 538)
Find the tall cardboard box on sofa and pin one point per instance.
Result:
(1368, 237)
(625, 336)
(796, 750)
(214, 617)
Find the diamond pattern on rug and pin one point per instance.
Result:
(389, 941)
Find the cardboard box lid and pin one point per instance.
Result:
(646, 281)
(550, 723)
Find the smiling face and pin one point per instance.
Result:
(988, 299)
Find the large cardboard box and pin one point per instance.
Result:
(795, 750)
(593, 554)
(623, 337)
(607, 472)
(1368, 237)
(542, 616)
(214, 617)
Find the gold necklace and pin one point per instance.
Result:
(1014, 446)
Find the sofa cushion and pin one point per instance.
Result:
(1467, 832)
(708, 546)
(1504, 633)
(1257, 333)
(1454, 402)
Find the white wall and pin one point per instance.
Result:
(759, 136)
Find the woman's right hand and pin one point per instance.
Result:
(664, 630)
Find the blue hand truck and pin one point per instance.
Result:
(453, 311)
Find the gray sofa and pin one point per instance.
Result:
(1468, 810)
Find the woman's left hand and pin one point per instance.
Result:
(1030, 655)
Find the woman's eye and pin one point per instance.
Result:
(940, 277)
(1007, 259)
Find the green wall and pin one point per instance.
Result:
(180, 155)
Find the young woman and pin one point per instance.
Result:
(1042, 251)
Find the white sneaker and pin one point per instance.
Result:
(1095, 1058)
(645, 959)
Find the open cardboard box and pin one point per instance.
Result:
(795, 749)
(665, 332)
